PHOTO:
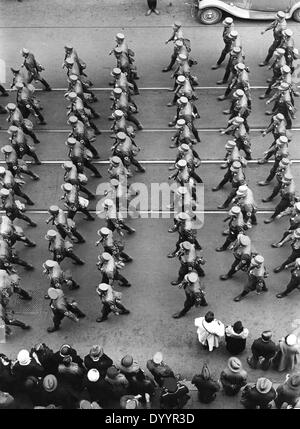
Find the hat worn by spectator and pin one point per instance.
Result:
(50, 383)
(65, 350)
(263, 385)
(234, 364)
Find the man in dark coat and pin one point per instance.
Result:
(158, 368)
(174, 394)
(98, 359)
(259, 395)
(207, 387)
(263, 349)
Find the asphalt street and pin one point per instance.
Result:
(151, 299)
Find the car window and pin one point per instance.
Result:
(268, 5)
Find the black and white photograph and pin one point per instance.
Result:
(150, 207)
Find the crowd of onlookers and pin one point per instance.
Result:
(43, 378)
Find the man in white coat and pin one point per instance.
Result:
(210, 330)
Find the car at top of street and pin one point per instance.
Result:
(211, 11)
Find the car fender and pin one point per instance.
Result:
(231, 9)
(293, 8)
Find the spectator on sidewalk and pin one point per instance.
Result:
(263, 350)
(287, 356)
(210, 331)
(289, 391)
(207, 387)
(158, 368)
(259, 395)
(235, 337)
(152, 4)
(174, 394)
(118, 383)
(98, 359)
(233, 377)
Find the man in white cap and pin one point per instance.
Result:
(287, 192)
(125, 65)
(28, 104)
(60, 248)
(152, 5)
(240, 80)
(83, 112)
(7, 180)
(278, 66)
(278, 26)
(239, 107)
(111, 301)
(237, 179)
(11, 208)
(236, 56)
(113, 218)
(19, 142)
(81, 156)
(194, 294)
(284, 167)
(280, 150)
(16, 118)
(294, 222)
(256, 275)
(179, 47)
(112, 246)
(121, 43)
(189, 261)
(158, 368)
(177, 33)
(80, 131)
(294, 239)
(72, 176)
(185, 111)
(277, 127)
(294, 282)
(242, 253)
(183, 135)
(62, 307)
(74, 202)
(283, 103)
(65, 226)
(109, 267)
(228, 28)
(236, 226)
(33, 68)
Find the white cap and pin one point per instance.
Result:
(103, 287)
(49, 263)
(67, 187)
(93, 375)
(183, 100)
(108, 203)
(53, 293)
(291, 340)
(157, 358)
(192, 277)
(23, 357)
(120, 36)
